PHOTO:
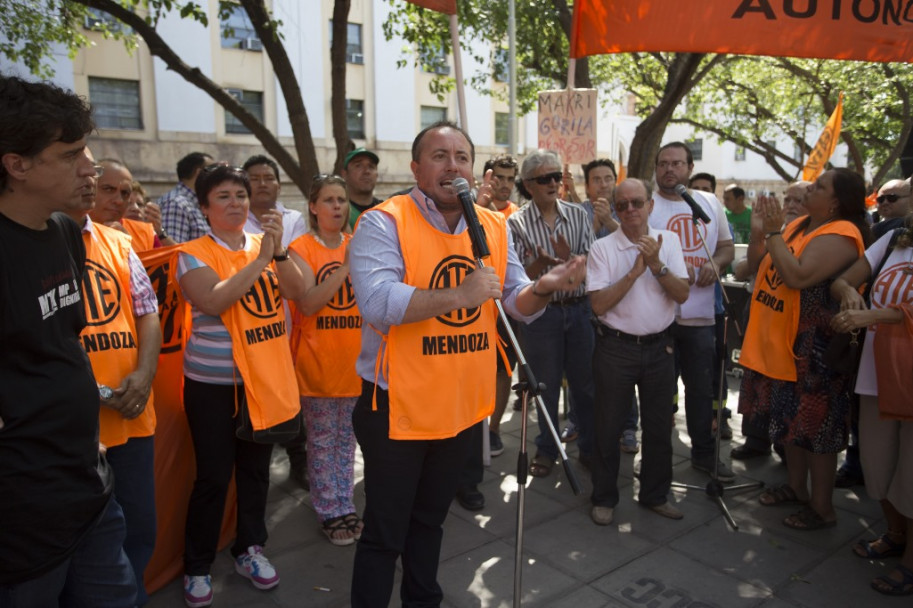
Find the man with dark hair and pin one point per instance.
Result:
(693, 330)
(359, 169)
(705, 182)
(61, 532)
(737, 213)
(503, 169)
(599, 178)
(182, 218)
(424, 302)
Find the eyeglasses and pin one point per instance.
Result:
(99, 170)
(890, 198)
(675, 164)
(622, 206)
(544, 180)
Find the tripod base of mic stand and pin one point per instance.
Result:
(716, 490)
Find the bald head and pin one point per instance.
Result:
(115, 185)
(894, 199)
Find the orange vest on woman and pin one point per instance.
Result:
(773, 321)
(326, 345)
(259, 336)
(109, 337)
(142, 233)
(441, 371)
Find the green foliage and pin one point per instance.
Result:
(31, 29)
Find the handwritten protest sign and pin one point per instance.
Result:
(567, 124)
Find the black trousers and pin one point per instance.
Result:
(409, 486)
(210, 412)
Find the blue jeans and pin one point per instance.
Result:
(134, 490)
(558, 344)
(96, 575)
(695, 348)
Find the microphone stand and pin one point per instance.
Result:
(528, 387)
(714, 488)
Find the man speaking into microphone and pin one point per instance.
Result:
(428, 358)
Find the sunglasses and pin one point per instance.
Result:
(890, 198)
(544, 180)
(622, 206)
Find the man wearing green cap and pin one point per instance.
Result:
(360, 173)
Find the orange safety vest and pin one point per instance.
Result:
(774, 320)
(259, 337)
(142, 233)
(109, 337)
(326, 345)
(441, 371)
(509, 209)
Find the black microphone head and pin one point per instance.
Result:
(680, 189)
(461, 186)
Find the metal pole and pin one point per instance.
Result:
(512, 68)
(458, 70)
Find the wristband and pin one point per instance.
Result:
(281, 257)
(540, 295)
(162, 235)
(770, 234)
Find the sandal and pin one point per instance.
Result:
(866, 548)
(808, 519)
(355, 524)
(541, 466)
(338, 532)
(780, 495)
(888, 586)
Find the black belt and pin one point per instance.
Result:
(605, 330)
(569, 301)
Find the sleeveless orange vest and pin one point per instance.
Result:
(441, 371)
(326, 345)
(142, 233)
(109, 337)
(259, 337)
(774, 319)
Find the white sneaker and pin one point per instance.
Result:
(197, 591)
(254, 566)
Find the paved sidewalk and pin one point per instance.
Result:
(640, 560)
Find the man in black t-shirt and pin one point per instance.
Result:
(61, 533)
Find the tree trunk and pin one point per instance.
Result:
(306, 164)
(338, 77)
(649, 133)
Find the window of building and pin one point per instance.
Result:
(432, 114)
(115, 103)
(355, 118)
(435, 62)
(98, 20)
(238, 32)
(502, 129)
(697, 148)
(740, 152)
(501, 65)
(252, 102)
(798, 153)
(354, 53)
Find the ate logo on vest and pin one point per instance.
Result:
(103, 293)
(262, 299)
(893, 286)
(449, 273)
(772, 278)
(684, 226)
(345, 297)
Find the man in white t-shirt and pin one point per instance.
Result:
(693, 329)
(636, 310)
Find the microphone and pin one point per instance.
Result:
(696, 210)
(476, 233)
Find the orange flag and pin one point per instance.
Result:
(448, 7)
(869, 31)
(824, 149)
(622, 170)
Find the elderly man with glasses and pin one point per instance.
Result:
(893, 205)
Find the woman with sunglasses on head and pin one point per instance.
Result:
(236, 361)
(786, 375)
(886, 440)
(326, 339)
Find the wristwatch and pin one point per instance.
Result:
(282, 256)
(662, 272)
(105, 392)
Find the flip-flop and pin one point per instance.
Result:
(888, 586)
(354, 523)
(866, 548)
(779, 496)
(541, 466)
(808, 519)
